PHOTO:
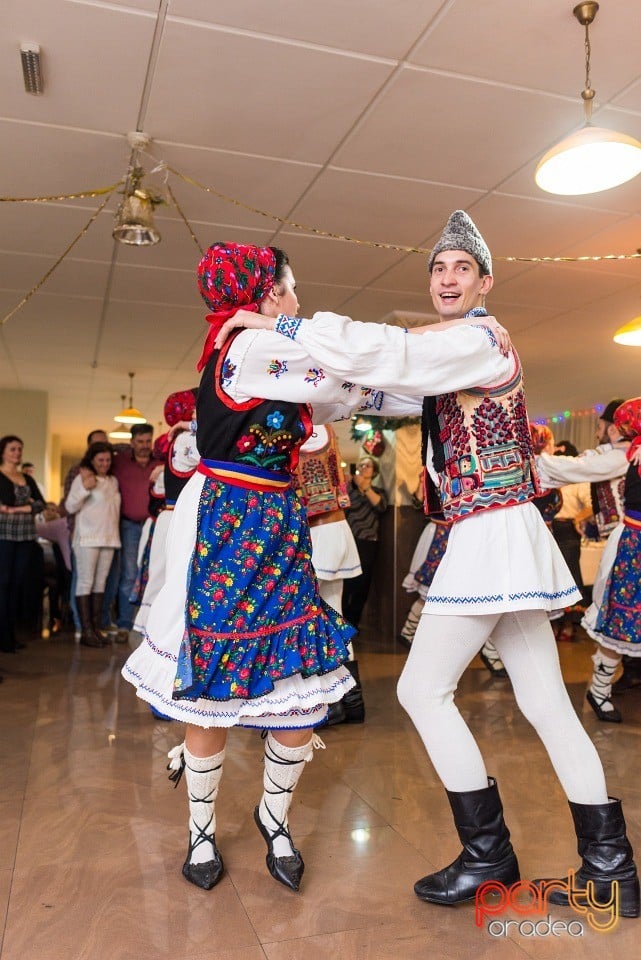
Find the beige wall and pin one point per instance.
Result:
(25, 413)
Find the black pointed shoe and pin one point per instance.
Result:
(287, 870)
(204, 875)
(608, 716)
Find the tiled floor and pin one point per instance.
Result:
(92, 835)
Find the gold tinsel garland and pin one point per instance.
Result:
(284, 221)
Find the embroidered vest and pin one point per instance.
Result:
(607, 504)
(320, 477)
(258, 433)
(482, 449)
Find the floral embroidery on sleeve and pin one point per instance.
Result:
(372, 399)
(314, 375)
(277, 367)
(228, 371)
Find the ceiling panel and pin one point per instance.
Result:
(81, 89)
(387, 209)
(193, 101)
(413, 131)
(374, 27)
(539, 34)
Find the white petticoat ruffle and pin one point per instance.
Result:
(334, 551)
(500, 560)
(294, 703)
(156, 576)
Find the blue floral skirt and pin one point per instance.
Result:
(297, 637)
(620, 614)
(253, 614)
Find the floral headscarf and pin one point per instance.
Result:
(627, 419)
(180, 405)
(231, 276)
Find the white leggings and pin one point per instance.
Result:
(92, 565)
(443, 648)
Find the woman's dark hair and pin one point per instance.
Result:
(282, 261)
(566, 449)
(4, 441)
(98, 447)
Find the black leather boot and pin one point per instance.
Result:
(606, 856)
(89, 637)
(487, 853)
(353, 702)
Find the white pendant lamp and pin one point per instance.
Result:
(593, 158)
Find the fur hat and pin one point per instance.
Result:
(460, 233)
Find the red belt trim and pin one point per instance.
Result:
(632, 522)
(238, 479)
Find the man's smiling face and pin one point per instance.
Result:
(456, 285)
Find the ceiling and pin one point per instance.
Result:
(358, 117)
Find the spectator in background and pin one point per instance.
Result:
(29, 470)
(368, 503)
(94, 499)
(20, 500)
(132, 468)
(53, 533)
(94, 436)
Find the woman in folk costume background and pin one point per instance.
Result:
(614, 617)
(335, 558)
(181, 459)
(501, 574)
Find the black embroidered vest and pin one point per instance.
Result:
(257, 433)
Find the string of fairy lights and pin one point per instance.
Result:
(564, 415)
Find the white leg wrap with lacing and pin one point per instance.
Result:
(283, 767)
(203, 779)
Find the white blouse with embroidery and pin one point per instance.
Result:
(378, 368)
(496, 560)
